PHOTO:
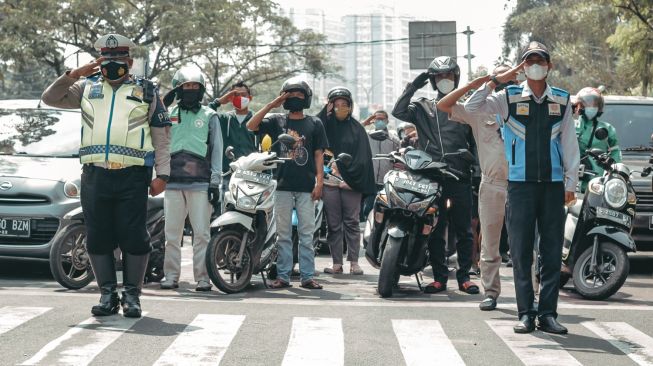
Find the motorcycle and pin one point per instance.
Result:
(69, 262)
(404, 215)
(243, 237)
(597, 230)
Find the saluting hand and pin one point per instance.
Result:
(478, 82)
(86, 70)
(227, 97)
(278, 101)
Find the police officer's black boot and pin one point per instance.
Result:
(105, 273)
(133, 269)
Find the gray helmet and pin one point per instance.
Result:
(443, 65)
(341, 92)
(186, 75)
(297, 83)
(402, 127)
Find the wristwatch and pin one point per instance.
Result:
(164, 177)
(494, 79)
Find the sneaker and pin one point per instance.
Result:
(488, 304)
(203, 286)
(167, 284)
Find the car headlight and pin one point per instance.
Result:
(616, 193)
(71, 189)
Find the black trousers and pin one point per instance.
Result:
(115, 209)
(460, 216)
(530, 204)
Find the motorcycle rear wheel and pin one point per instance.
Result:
(388, 272)
(614, 265)
(69, 262)
(220, 262)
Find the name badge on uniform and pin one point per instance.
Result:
(522, 109)
(96, 91)
(138, 92)
(554, 109)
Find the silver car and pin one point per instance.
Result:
(40, 209)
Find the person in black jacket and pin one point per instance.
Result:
(438, 136)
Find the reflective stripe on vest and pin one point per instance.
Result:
(115, 124)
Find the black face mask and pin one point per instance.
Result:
(294, 104)
(114, 70)
(190, 99)
(500, 87)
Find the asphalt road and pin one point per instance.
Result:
(346, 323)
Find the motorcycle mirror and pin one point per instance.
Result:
(345, 158)
(229, 152)
(286, 139)
(601, 133)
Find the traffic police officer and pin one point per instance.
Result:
(196, 168)
(542, 154)
(124, 133)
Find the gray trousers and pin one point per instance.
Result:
(492, 204)
(342, 208)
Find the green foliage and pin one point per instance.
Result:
(220, 37)
(592, 43)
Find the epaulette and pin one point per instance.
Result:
(560, 96)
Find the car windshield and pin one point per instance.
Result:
(39, 132)
(633, 122)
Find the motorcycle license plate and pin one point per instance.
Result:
(618, 217)
(256, 177)
(412, 185)
(13, 227)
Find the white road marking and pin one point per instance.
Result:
(315, 342)
(537, 348)
(422, 342)
(13, 316)
(629, 340)
(96, 333)
(204, 341)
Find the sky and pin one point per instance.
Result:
(485, 17)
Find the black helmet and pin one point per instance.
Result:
(443, 65)
(341, 92)
(297, 83)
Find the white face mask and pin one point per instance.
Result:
(591, 112)
(445, 86)
(536, 72)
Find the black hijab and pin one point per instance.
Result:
(350, 137)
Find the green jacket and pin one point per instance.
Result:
(584, 130)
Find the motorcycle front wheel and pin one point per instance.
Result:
(387, 274)
(613, 268)
(221, 256)
(69, 262)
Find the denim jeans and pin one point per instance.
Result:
(283, 205)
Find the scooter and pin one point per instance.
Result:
(597, 230)
(405, 214)
(243, 237)
(69, 262)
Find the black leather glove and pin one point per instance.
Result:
(421, 80)
(214, 196)
(170, 96)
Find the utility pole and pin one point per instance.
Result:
(468, 32)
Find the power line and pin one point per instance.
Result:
(336, 44)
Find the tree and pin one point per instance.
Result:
(220, 37)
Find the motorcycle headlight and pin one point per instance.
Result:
(265, 195)
(394, 198)
(616, 193)
(420, 206)
(246, 202)
(71, 189)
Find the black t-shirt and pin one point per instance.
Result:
(298, 174)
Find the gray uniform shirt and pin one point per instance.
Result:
(484, 101)
(67, 92)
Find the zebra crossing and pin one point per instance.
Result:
(207, 338)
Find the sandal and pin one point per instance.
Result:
(333, 270)
(355, 269)
(468, 287)
(311, 285)
(280, 284)
(435, 287)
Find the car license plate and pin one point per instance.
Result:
(256, 177)
(14, 227)
(412, 185)
(618, 217)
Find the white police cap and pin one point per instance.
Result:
(114, 45)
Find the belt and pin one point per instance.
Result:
(494, 181)
(110, 165)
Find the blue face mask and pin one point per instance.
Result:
(591, 112)
(380, 124)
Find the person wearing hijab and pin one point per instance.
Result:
(346, 182)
